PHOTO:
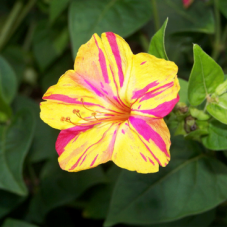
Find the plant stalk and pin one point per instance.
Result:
(155, 15)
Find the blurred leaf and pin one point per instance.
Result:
(15, 141)
(217, 138)
(56, 8)
(122, 17)
(223, 7)
(8, 81)
(174, 192)
(218, 109)
(48, 43)
(43, 144)
(197, 18)
(17, 59)
(10, 222)
(157, 43)
(199, 114)
(59, 187)
(99, 199)
(53, 74)
(8, 202)
(200, 220)
(183, 91)
(206, 75)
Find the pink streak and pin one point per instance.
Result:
(162, 109)
(83, 160)
(139, 106)
(151, 161)
(115, 50)
(66, 99)
(94, 89)
(143, 157)
(141, 92)
(151, 94)
(123, 131)
(65, 136)
(143, 63)
(94, 160)
(76, 164)
(102, 62)
(148, 133)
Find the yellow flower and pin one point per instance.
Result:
(110, 107)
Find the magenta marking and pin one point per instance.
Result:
(143, 157)
(123, 131)
(102, 85)
(148, 133)
(94, 160)
(162, 109)
(94, 89)
(102, 62)
(143, 63)
(139, 106)
(65, 136)
(104, 91)
(127, 124)
(83, 160)
(151, 161)
(152, 93)
(76, 164)
(115, 50)
(141, 92)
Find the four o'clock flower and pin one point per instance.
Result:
(111, 107)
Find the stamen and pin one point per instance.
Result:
(62, 118)
(94, 115)
(69, 121)
(77, 112)
(85, 106)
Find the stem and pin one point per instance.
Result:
(6, 30)
(155, 15)
(216, 49)
(29, 36)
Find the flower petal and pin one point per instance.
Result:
(94, 73)
(155, 86)
(84, 148)
(142, 145)
(120, 58)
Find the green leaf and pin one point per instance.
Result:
(205, 76)
(199, 114)
(10, 222)
(200, 220)
(8, 202)
(122, 17)
(217, 138)
(56, 8)
(222, 4)
(48, 43)
(182, 93)
(43, 144)
(15, 141)
(8, 81)
(157, 43)
(59, 187)
(197, 18)
(99, 199)
(185, 187)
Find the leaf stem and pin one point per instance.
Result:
(6, 30)
(216, 48)
(155, 15)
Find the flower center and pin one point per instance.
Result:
(98, 116)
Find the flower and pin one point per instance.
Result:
(187, 3)
(110, 107)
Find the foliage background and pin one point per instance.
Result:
(38, 43)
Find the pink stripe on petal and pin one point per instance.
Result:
(123, 131)
(83, 160)
(148, 133)
(102, 63)
(151, 161)
(65, 136)
(162, 109)
(94, 160)
(141, 92)
(143, 156)
(143, 63)
(115, 50)
(94, 89)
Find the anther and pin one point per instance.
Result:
(62, 118)
(75, 111)
(94, 115)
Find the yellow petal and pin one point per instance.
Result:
(142, 145)
(81, 148)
